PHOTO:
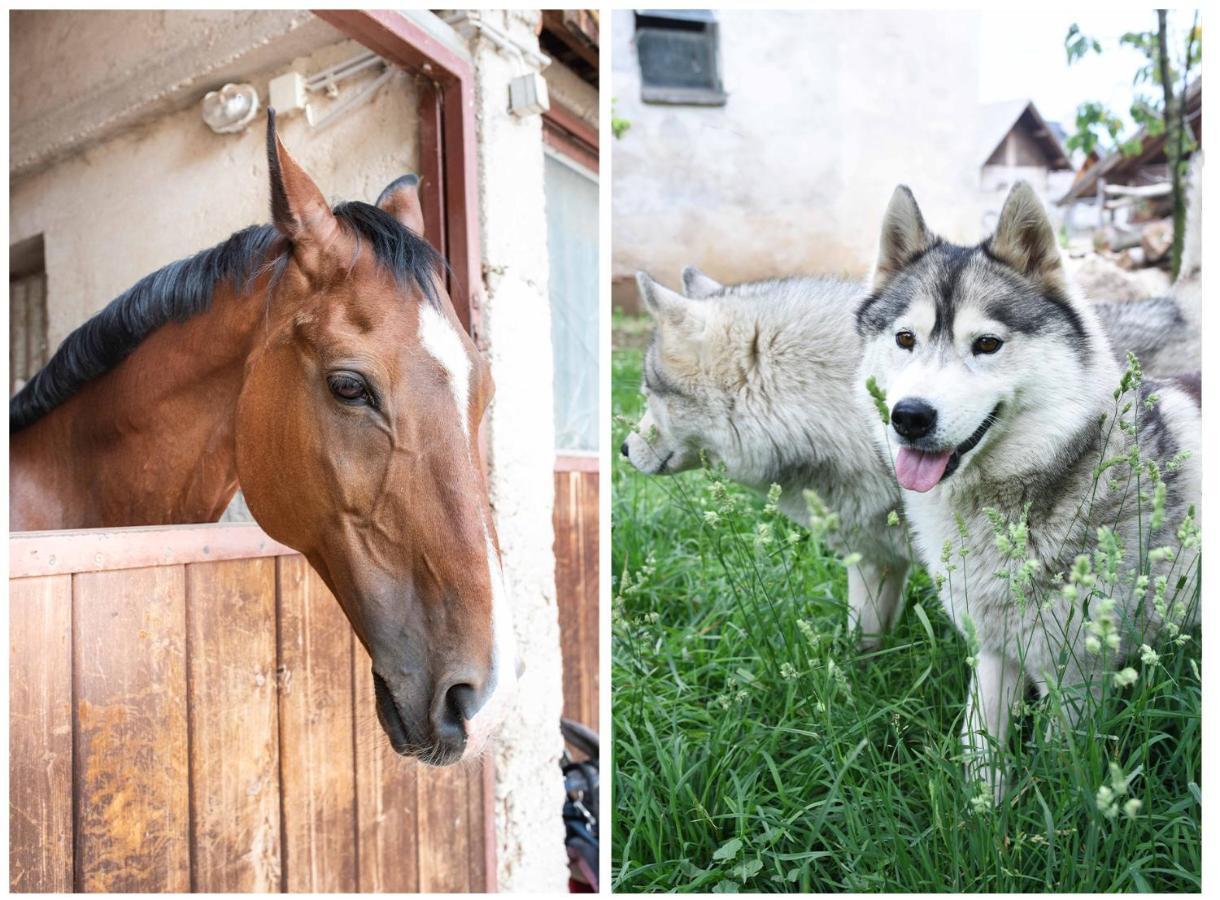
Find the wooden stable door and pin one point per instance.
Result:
(190, 710)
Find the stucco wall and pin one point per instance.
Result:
(86, 74)
(512, 216)
(827, 112)
(165, 190)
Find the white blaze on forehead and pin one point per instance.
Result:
(441, 339)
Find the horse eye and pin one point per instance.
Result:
(348, 388)
(987, 344)
(905, 339)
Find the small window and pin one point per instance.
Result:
(679, 53)
(571, 213)
(27, 312)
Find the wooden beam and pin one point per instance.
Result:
(33, 553)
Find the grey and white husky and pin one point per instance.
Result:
(761, 378)
(1002, 414)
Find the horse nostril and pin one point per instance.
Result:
(460, 703)
(624, 450)
(913, 418)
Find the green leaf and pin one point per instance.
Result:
(728, 850)
(726, 887)
(747, 869)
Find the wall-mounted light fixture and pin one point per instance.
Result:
(230, 109)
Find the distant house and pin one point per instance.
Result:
(1017, 144)
(1145, 168)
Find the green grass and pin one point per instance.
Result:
(756, 749)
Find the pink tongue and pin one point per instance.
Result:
(919, 471)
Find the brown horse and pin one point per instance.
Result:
(318, 362)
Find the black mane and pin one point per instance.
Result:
(185, 288)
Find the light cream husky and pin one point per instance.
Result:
(760, 377)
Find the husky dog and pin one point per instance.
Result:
(761, 377)
(1000, 387)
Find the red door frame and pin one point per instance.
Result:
(448, 149)
(448, 163)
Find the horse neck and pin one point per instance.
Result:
(151, 442)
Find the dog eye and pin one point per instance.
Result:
(905, 339)
(349, 388)
(987, 344)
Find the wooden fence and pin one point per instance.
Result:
(190, 710)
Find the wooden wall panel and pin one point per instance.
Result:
(210, 725)
(576, 586)
(40, 734)
(316, 734)
(445, 828)
(385, 796)
(131, 752)
(234, 727)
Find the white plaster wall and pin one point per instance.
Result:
(165, 190)
(529, 790)
(827, 112)
(87, 74)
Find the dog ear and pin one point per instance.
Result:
(1025, 239)
(697, 285)
(669, 309)
(298, 208)
(401, 200)
(903, 236)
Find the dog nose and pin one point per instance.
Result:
(913, 418)
(624, 450)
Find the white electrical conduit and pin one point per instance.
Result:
(500, 39)
(346, 69)
(351, 102)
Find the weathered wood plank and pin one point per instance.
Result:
(235, 803)
(385, 796)
(105, 549)
(40, 734)
(316, 748)
(480, 825)
(444, 829)
(576, 585)
(131, 754)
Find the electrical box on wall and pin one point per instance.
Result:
(527, 95)
(287, 93)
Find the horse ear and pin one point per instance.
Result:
(401, 200)
(298, 208)
(1025, 239)
(699, 286)
(903, 236)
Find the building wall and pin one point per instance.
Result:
(995, 181)
(512, 216)
(161, 191)
(86, 74)
(826, 114)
